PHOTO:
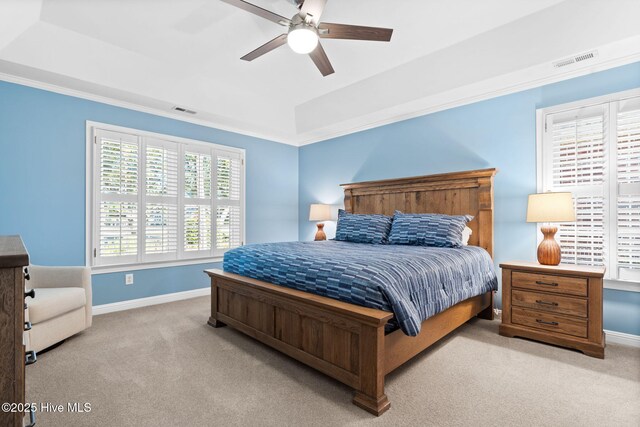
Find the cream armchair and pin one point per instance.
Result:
(61, 307)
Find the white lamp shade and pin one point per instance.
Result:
(551, 207)
(319, 212)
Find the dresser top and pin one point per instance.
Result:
(12, 252)
(582, 270)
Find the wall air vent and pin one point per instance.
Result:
(184, 110)
(575, 59)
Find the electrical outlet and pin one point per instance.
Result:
(128, 279)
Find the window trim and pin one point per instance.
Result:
(90, 188)
(540, 131)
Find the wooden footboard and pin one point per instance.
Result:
(342, 340)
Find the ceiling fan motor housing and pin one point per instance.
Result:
(298, 22)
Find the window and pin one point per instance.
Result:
(156, 198)
(592, 149)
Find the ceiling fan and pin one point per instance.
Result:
(304, 30)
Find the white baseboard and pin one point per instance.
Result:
(144, 302)
(630, 340)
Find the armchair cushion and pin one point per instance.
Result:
(54, 302)
(59, 277)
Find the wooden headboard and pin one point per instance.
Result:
(454, 193)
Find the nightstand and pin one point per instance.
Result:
(559, 304)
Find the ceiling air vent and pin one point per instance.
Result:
(575, 59)
(184, 110)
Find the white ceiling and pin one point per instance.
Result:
(159, 53)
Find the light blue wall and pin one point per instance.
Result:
(42, 184)
(499, 132)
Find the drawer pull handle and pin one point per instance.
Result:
(547, 323)
(26, 274)
(30, 358)
(27, 326)
(540, 282)
(539, 301)
(31, 293)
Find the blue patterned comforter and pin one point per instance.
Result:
(414, 282)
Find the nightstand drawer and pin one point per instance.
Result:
(549, 322)
(549, 302)
(550, 283)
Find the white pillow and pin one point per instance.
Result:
(466, 233)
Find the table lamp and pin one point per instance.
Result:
(319, 212)
(548, 208)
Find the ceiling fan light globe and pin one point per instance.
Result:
(302, 40)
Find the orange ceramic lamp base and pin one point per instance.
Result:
(320, 235)
(549, 249)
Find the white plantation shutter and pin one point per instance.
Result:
(118, 229)
(161, 221)
(576, 161)
(228, 201)
(594, 152)
(628, 183)
(161, 199)
(197, 228)
(117, 163)
(583, 242)
(157, 200)
(198, 201)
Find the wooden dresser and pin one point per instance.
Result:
(13, 261)
(560, 305)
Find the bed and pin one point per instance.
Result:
(354, 344)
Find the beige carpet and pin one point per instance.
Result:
(162, 366)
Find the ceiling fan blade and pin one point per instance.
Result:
(263, 13)
(313, 8)
(319, 57)
(266, 48)
(354, 32)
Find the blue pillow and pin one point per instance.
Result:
(360, 228)
(444, 231)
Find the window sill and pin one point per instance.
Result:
(620, 285)
(151, 265)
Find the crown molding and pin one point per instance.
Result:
(50, 87)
